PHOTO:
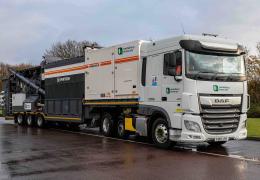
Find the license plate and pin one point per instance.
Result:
(221, 139)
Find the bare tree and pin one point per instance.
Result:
(68, 49)
(253, 76)
(258, 48)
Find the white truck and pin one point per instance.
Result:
(182, 89)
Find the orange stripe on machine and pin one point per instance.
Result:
(93, 65)
(103, 63)
(128, 59)
(67, 70)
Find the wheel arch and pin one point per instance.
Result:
(153, 112)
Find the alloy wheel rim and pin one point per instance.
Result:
(20, 119)
(106, 125)
(120, 129)
(161, 133)
(29, 120)
(39, 121)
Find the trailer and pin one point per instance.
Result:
(182, 89)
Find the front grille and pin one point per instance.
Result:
(220, 119)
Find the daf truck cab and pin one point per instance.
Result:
(198, 87)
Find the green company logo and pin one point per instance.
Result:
(215, 87)
(120, 51)
(168, 90)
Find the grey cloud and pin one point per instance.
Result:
(28, 27)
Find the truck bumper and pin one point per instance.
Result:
(185, 135)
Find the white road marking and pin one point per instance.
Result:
(190, 149)
(230, 156)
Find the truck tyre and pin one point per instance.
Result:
(20, 119)
(29, 120)
(160, 133)
(40, 121)
(121, 133)
(107, 125)
(219, 143)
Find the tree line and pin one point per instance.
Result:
(253, 77)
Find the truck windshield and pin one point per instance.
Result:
(215, 67)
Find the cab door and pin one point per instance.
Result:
(153, 78)
(171, 79)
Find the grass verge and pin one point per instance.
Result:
(253, 128)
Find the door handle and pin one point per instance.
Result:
(164, 98)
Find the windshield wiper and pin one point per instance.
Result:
(231, 76)
(226, 77)
(201, 72)
(216, 75)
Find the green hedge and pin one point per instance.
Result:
(253, 127)
(254, 111)
(1, 112)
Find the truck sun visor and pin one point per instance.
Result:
(209, 47)
(218, 46)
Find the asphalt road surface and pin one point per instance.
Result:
(31, 153)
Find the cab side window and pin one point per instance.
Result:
(172, 64)
(168, 63)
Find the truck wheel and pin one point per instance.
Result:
(121, 130)
(20, 119)
(219, 143)
(29, 120)
(40, 121)
(160, 133)
(107, 125)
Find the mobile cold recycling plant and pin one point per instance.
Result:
(181, 89)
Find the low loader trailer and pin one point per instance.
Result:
(182, 89)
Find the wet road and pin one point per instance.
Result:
(31, 153)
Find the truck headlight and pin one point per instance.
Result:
(192, 126)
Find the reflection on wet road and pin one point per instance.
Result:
(31, 153)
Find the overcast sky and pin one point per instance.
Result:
(28, 27)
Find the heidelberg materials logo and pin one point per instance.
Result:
(120, 51)
(215, 88)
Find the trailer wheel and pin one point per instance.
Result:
(20, 119)
(40, 121)
(121, 130)
(106, 125)
(160, 133)
(29, 120)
